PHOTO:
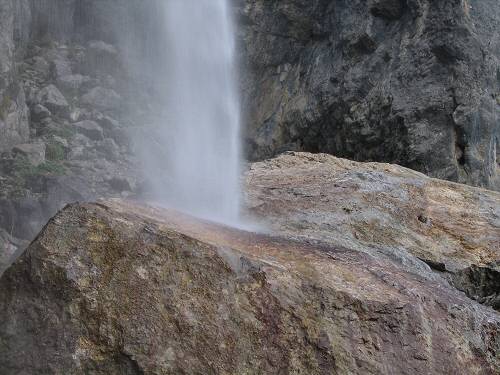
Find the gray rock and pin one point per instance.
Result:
(40, 65)
(389, 9)
(34, 152)
(7, 251)
(39, 112)
(113, 129)
(99, 47)
(60, 67)
(407, 82)
(90, 129)
(109, 148)
(121, 184)
(80, 140)
(72, 83)
(101, 58)
(77, 114)
(53, 99)
(108, 123)
(77, 152)
(23, 217)
(48, 126)
(102, 98)
(10, 249)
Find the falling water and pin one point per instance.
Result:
(199, 136)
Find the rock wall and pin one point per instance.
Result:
(412, 82)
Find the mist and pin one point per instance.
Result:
(190, 155)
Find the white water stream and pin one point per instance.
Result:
(200, 166)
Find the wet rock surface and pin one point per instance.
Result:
(116, 288)
(434, 228)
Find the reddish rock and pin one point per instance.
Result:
(116, 288)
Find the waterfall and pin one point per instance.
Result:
(199, 168)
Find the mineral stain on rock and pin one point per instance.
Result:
(387, 211)
(118, 288)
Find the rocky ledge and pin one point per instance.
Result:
(117, 288)
(433, 228)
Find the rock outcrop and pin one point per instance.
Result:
(410, 82)
(115, 288)
(387, 211)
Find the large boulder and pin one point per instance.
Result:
(113, 129)
(386, 211)
(39, 112)
(114, 288)
(407, 82)
(51, 98)
(90, 129)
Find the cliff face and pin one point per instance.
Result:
(411, 82)
(116, 288)
(70, 95)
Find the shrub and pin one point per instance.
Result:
(55, 152)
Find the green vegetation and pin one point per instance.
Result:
(22, 176)
(49, 168)
(25, 170)
(65, 131)
(55, 151)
